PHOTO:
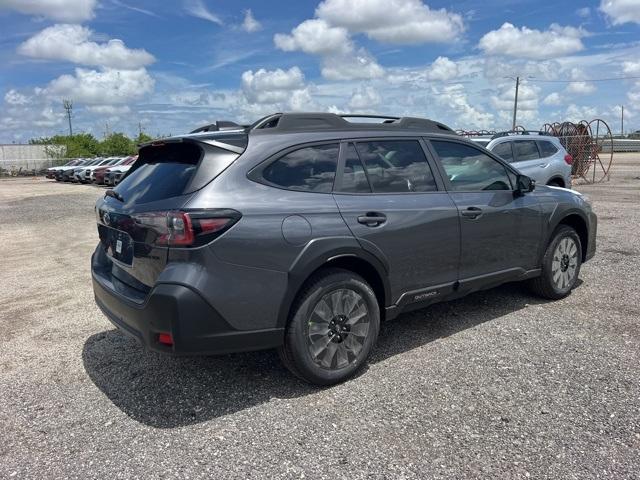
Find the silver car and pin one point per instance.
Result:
(540, 157)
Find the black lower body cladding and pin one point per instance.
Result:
(195, 327)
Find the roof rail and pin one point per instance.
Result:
(217, 126)
(291, 122)
(509, 133)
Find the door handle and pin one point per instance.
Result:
(543, 165)
(372, 219)
(471, 212)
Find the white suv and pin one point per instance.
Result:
(541, 157)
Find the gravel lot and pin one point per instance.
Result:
(500, 384)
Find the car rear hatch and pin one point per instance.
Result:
(140, 219)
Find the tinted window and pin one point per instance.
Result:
(525, 150)
(311, 169)
(396, 166)
(172, 169)
(503, 150)
(353, 178)
(469, 169)
(547, 149)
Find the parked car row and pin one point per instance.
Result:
(102, 171)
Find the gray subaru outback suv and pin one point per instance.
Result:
(303, 231)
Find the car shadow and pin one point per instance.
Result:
(167, 392)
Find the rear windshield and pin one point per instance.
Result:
(172, 169)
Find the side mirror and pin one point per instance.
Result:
(524, 184)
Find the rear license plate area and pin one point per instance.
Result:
(117, 244)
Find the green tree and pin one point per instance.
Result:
(142, 138)
(117, 144)
(76, 146)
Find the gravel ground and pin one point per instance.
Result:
(500, 384)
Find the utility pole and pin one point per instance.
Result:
(68, 106)
(139, 129)
(622, 121)
(515, 104)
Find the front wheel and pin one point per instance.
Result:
(560, 265)
(334, 325)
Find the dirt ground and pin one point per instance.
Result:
(499, 384)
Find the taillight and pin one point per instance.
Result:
(187, 229)
(569, 159)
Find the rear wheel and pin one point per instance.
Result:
(560, 265)
(555, 183)
(334, 325)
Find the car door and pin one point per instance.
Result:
(500, 230)
(397, 208)
(527, 159)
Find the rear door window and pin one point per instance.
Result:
(525, 150)
(504, 151)
(172, 169)
(546, 148)
(396, 166)
(354, 178)
(309, 169)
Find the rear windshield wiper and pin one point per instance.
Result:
(114, 194)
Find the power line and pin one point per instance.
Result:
(585, 80)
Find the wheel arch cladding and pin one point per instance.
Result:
(353, 259)
(556, 180)
(578, 223)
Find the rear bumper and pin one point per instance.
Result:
(196, 327)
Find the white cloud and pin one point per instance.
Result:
(393, 21)
(358, 65)
(109, 110)
(553, 99)
(442, 69)
(365, 98)
(26, 112)
(631, 68)
(583, 12)
(621, 11)
(340, 59)
(527, 97)
(268, 91)
(71, 43)
(581, 88)
(198, 9)
(525, 42)
(271, 86)
(454, 97)
(250, 24)
(106, 87)
(575, 113)
(316, 37)
(59, 10)
(13, 97)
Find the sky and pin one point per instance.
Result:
(167, 67)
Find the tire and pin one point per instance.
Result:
(321, 345)
(560, 265)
